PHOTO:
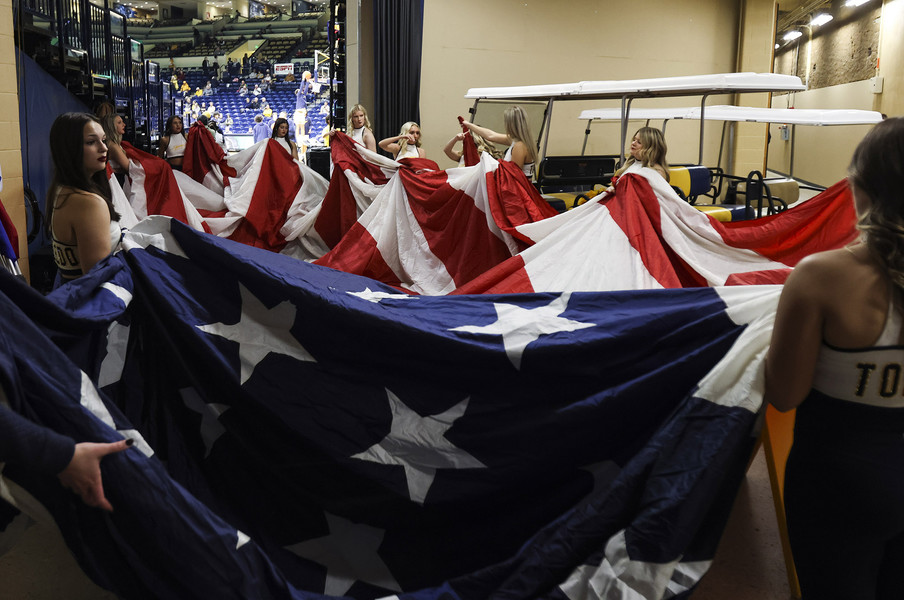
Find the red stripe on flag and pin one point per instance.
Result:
(468, 148)
(358, 253)
(339, 210)
(160, 187)
(7, 223)
(212, 214)
(515, 201)
(768, 277)
(635, 207)
(509, 277)
(455, 228)
(419, 164)
(824, 222)
(278, 183)
(201, 152)
(345, 156)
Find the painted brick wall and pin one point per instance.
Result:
(12, 196)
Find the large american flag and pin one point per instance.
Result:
(306, 432)
(481, 228)
(565, 411)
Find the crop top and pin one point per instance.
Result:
(409, 152)
(873, 376)
(358, 134)
(527, 169)
(176, 146)
(66, 256)
(285, 144)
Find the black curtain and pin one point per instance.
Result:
(398, 35)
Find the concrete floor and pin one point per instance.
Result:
(40, 567)
(748, 564)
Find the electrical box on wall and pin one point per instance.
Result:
(876, 84)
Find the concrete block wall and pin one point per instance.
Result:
(12, 196)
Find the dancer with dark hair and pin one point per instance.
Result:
(82, 222)
(172, 143)
(837, 354)
(281, 135)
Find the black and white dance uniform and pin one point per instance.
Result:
(844, 482)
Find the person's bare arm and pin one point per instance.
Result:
(488, 134)
(370, 142)
(391, 144)
(91, 225)
(519, 154)
(796, 337)
(449, 149)
(164, 144)
(82, 474)
(117, 158)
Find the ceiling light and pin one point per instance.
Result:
(821, 19)
(792, 35)
(776, 46)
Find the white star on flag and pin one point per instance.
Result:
(260, 331)
(211, 429)
(350, 553)
(618, 576)
(241, 538)
(419, 445)
(375, 297)
(603, 473)
(520, 326)
(90, 399)
(115, 359)
(578, 585)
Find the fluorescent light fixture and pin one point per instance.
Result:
(821, 19)
(776, 46)
(792, 35)
(855, 2)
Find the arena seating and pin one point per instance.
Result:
(283, 38)
(140, 23)
(213, 46)
(164, 50)
(279, 49)
(174, 22)
(228, 103)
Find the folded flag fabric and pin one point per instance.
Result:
(153, 189)
(433, 231)
(262, 198)
(469, 151)
(357, 177)
(479, 229)
(645, 237)
(204, 158)
(306, 432)
(259, 196)
(9, 243)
